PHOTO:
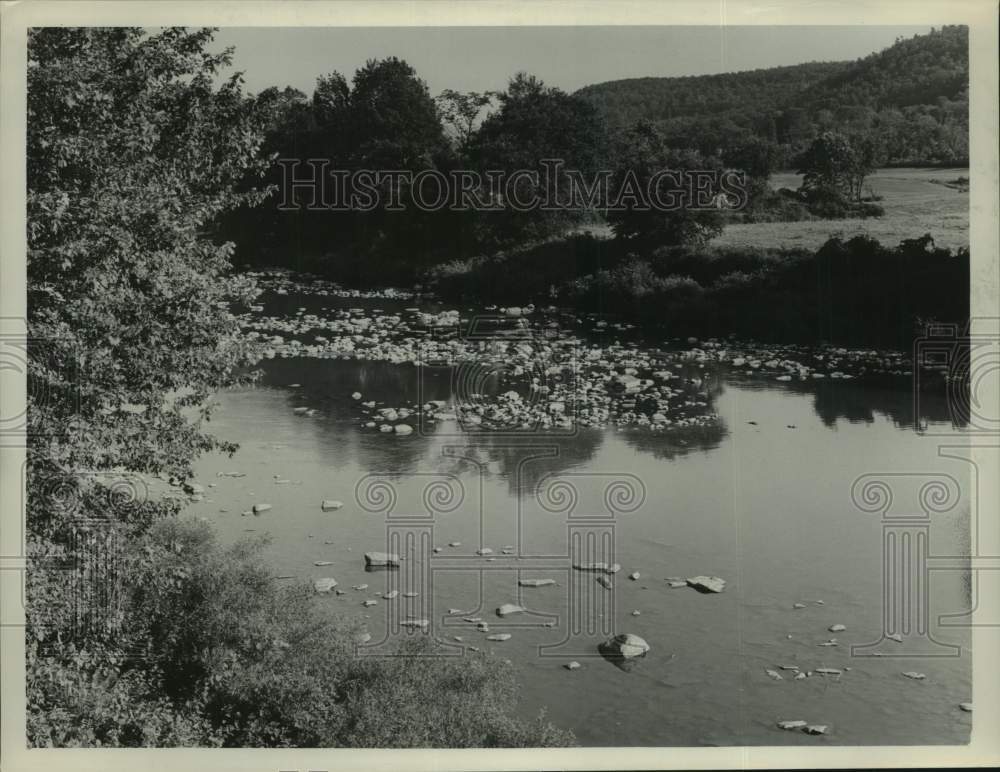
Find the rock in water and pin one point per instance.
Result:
(815, 729)
(707, 583)
(498, 637)
(836, 628)
(626, 646)
(381, 559)
(509, 608)
(325, 585)
(591, 566)
(330, 504)
(536, 582)
(258, 508)
(792, 724)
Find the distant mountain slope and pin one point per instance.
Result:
(912, 95)
(659, 99)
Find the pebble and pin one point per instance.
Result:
(774, 674)
(792, 724)
(509, 608)
(707, 583)
(324, 585)
(536, 582)
(634, 575)
(626, 645)
(498, 637)
(258, 508)
(330, 504)
(836, 628)
(815, 729)
(322, 562)
(574, 665)
(390, 595)
(415, 623)
(914, 675)
(388, 559)
(605, 582)
(369, 603)
(966, 706)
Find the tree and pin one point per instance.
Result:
(835, 166)
(461, 111)
(393, 118)
(535, 123)
(644, 158)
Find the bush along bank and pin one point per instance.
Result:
(850, 293)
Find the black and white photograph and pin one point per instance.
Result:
(439, 384)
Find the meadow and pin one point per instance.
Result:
(916, 201)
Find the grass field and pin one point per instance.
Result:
(916, 201)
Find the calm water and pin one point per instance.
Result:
(766, 507)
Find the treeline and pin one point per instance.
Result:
(913, 96)
(651, 191)
(141, 629)
(855, 292)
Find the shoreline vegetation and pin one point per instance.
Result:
(150, 175)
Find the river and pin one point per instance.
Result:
(761, 498)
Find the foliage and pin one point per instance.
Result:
(643, 156)
(836, 166)
(460, 112)
(855, 292)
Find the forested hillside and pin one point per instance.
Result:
(913, 96)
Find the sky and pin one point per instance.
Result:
(484, 58)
